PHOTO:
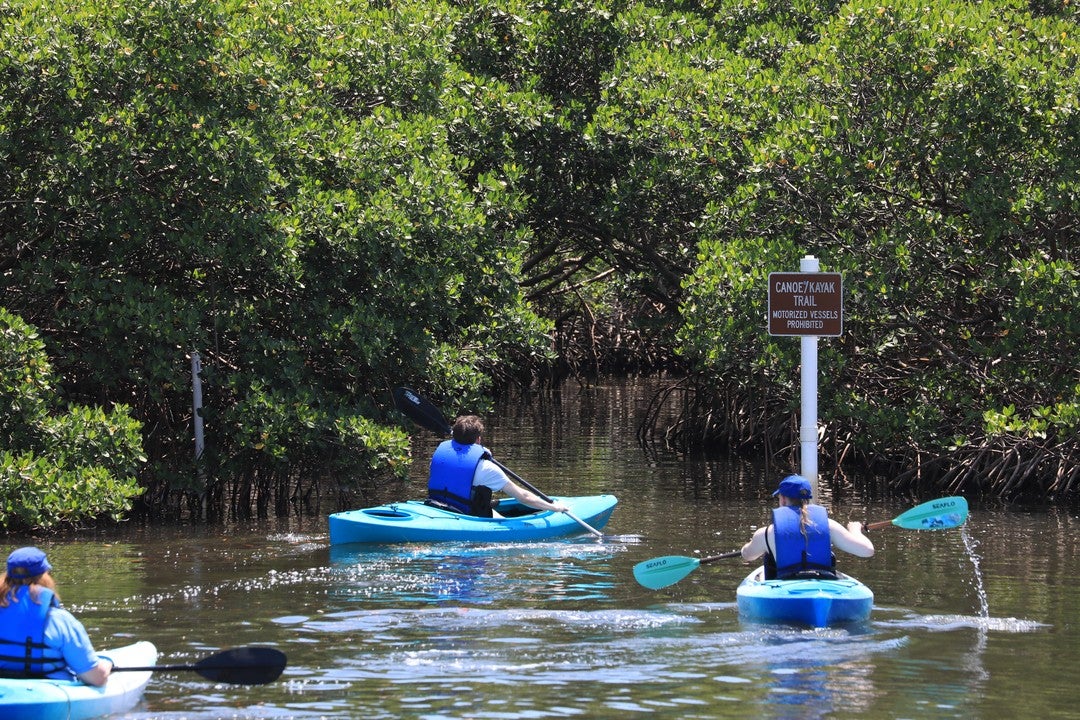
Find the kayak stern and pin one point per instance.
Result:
(44, 699)
(812, 602)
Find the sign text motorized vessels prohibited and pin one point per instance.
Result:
(806, 304)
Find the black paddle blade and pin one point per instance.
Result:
(250, 665)
(420, 411)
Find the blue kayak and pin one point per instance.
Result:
(44, 699)
(813, 602)
(416, 521)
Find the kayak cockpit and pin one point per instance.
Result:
(501, 508)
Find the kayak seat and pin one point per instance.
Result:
(433, 502)
(506, 510)
(815, 573)
(516, 509)
(812, 575)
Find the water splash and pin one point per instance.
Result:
(947, 623)
(970, 544)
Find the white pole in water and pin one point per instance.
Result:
(196, 405)
(808, 426)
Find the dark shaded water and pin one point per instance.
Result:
(972, 623)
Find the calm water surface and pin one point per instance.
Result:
(973, 623)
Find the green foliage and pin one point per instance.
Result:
(271, 185)
(25, 380)
(36, 493)
(929, 154)
(58, 468)
(328, 199)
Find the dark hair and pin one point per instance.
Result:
(467, 429)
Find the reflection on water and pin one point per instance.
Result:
(561, 629)
(474, 573)
(606, 660)
(553, 629)
(686, 656)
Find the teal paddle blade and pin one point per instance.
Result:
(940, 514)
(663, 571)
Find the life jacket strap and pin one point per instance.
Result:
(31, 667)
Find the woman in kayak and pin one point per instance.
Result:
(38, 638)
(463, 477)
(800, 539)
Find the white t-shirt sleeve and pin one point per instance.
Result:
(490, 475)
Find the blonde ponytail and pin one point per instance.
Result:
(804, 517)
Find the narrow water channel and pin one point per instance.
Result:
(979, 622)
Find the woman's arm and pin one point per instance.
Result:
(850, 539)
(98, 674)
(756, 547)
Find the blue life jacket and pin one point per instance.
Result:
(23, 652)
(451, 479)
(796, 555)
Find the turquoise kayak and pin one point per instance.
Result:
(22, 699)
(813, 602)
(416, 521)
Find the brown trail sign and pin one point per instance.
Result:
(806, 304)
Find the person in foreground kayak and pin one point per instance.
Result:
(800, 539)
(463, 477)
(38, 638)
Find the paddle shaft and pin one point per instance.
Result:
(877, 525)
(157, 668)
(721, 556)
(545, 498)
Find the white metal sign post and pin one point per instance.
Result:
(809, 304)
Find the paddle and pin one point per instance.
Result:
(239, 666)
(428, 416)
(941, 514)
(670, 569)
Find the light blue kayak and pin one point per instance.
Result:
(817, 603)
(71, 699)
(415, 521)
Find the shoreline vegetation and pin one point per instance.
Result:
(326, 201)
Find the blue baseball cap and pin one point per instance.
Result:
(27, 562)
(796, 487)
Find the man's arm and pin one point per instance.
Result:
(532, 499)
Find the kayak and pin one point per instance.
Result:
(416, 521)
(43, 699)
(813, 602)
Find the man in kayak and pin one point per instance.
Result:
(38, 638)
(800, 539)
(463, 477)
